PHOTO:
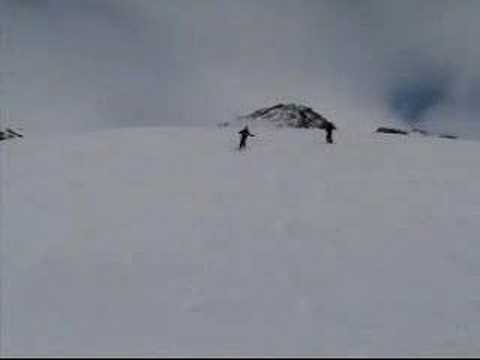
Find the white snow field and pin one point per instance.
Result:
(168, 242)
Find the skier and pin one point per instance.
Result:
(329, 127)
(244, 134)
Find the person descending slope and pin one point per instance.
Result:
(329, 127)
(244, 134)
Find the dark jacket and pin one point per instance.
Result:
(245, 132)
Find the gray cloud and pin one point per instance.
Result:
(82, 64)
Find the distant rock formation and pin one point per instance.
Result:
(386, 130)
(288, 115)
(447, 136)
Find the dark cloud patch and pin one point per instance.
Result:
(412, 97)
(412, 100)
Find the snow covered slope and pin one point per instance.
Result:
(169, 242)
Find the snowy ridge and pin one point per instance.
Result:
(169, 242)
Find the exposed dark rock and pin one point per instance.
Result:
(8, 134)
(289, 115)
(386, 130)
(447, 136)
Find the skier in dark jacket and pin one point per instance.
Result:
(329, 127)
(244, 134)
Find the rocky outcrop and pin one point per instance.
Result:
(288, 115)
(387, 130)
(8, 134)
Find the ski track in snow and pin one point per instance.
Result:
(169, 242)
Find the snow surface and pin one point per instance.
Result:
(167, 241)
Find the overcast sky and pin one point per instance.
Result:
(71, 65)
